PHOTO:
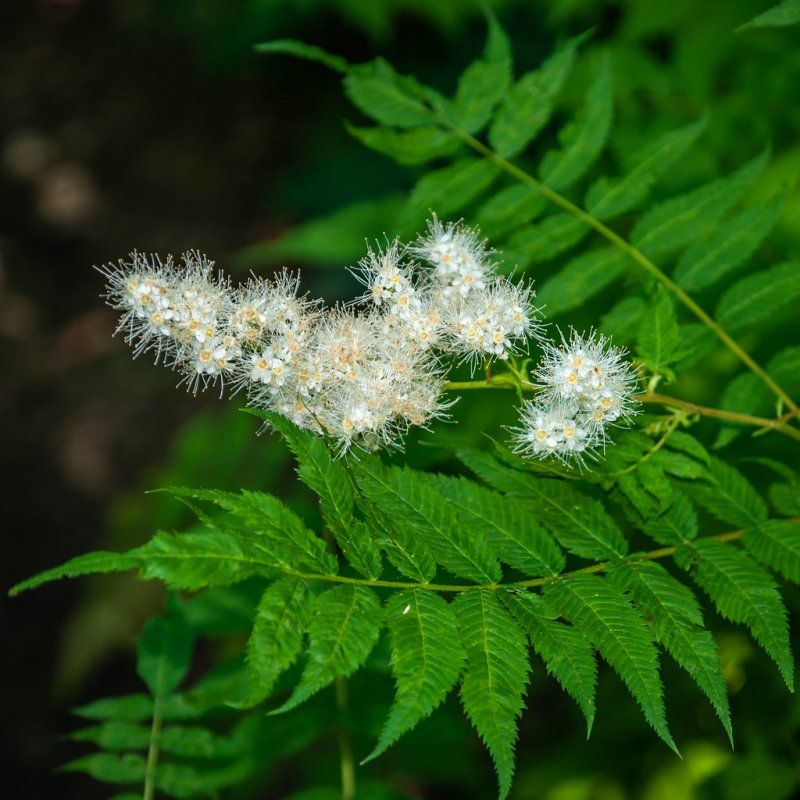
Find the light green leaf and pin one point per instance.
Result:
(386, 96)
(581, 279)
(622, 321)
(510, 208)
(683, 219)
(484, 82)
(606, 617)
(427, 656)
(567, 654)
(529, 104)
(328, 478)
(777, 545)
(742, 592)
(544, 240)
(409, 502)
(729, 496)
(757, 297)
(659, 337)
(344, 626)
(745, 394)
(583, 139)
(677, 525)
(608, 199)
(409, 147)
(164, 652)
(708, 260)
(291, 47)
(677, 622)
(276, 640)
(781, 15)
(448, 189)
(493, 685)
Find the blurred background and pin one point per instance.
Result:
(152, 125)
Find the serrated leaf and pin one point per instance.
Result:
(659, 336)
(412, 507)
(583, 139)
(683, 219)
(742, 592)
(291, 47)
(409, 147)
(776, 544)
(608, 199)
(448, 189)
(757, 297)
(276, 640)
(164, 653)
(493, 684)
(484, 82)
(622, 321)
(344, 627)
(780, 15)
(567, 654)
(136, 708)
(386, 96)
(544, 240)
(110, 767)
(746, 394)
(427, 656)
(606, 617)
(510, 208)
(708, 260)
(328, 478)
(677, 622)
(506, 524)
(581, 279)
(528, 106)
(87, 564)
(785, 497)
(729, 496)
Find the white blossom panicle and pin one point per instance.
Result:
(557, 429)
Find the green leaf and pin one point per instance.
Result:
(427, 657)
(708, 260)
(87, 564)
(757, 297)
(387, 97)
(164, 653)
(344, 626)
(583, 139)
(125, 708)
(110, 767)
(729, 496)
(510, 208)
(328, 478)
(608, 199)
(484, 83)
(493, 685)
(544, 240)
(411, 147)
(291, 47)
(448, 189)
(742, 592)
(328, 241)
(606, 617)
(581, 279)
(622, 321)
(276, 640)
(270, 526)
(567, 654)
(776, 544)
(677, 622)
(683, 219)
(529, 104)
(659, 336)
(781, 15)
(413, 508)
(506, 524)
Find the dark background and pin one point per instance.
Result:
(152, 125)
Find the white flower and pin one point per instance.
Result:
(558, 429)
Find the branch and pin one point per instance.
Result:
(626, 247)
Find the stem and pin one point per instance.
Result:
(155, 732)
(346, 760)
(633, 252)
(650, 555)
(779, 424)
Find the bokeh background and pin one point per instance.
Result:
(152, 125)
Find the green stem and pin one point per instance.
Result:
(347, 763)
(633, 252)
(155, 732)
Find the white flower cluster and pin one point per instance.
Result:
(363, 378)
(587, 386)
